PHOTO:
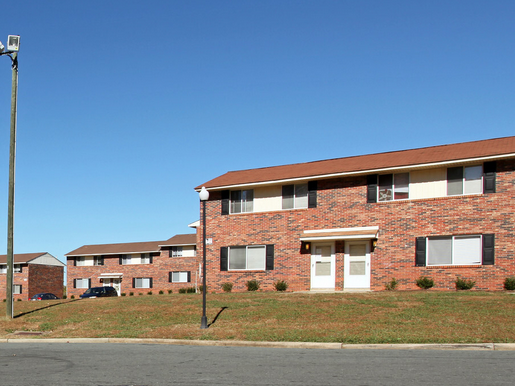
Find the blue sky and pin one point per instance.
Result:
(125, 106)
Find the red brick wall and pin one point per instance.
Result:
(158, 271)
(45, 278)
(342, 204)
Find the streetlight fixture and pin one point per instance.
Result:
(13, 46)
(204, 196)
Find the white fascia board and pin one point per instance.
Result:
(362, 172)
(332, 230)
(178, 245)
(110, 254)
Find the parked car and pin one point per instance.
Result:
(44, 296)
(99, 292)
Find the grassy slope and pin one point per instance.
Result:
(384, 317)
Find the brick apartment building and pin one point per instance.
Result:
(134, 267)
(33, 273)
(356, 223)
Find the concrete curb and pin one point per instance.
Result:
(304, 345)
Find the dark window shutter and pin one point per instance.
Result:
(312, 194)
(269, 257)
(74, 261)
(151, 259)
(169, 277)
(101, 260)
(420, 252)
(224, 254)
(189, 276)
(120, 259)
(288, 191)
(151, 282)
(21, 269)
(488, 249)
(89, 283)
(74, 283)
(133, 282)
(21, 289)
(489, 174)
(225, 201)
(372, 188)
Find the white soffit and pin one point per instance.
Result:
(340, 234)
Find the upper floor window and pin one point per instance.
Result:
(3, 268)
(145, 258)
(17, 268)
(126, 259)
(80, 261)
(393, 187)
(242, 201)
(464, 180)
(98, 260)
(176, 252)
(295, 196)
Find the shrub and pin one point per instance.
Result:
(123, 294)
(464, 284)
(161, 292)
(4, 300)
(64, 296)
(252, 285)
(19, 300)
(192, 290)
(281, 285)
(227, 287)
(425, 282)
(182, 290)
(509, 284)
(72, 297)
(169, 292)
(140, 294)
(149, 293)
(391, 285)
(131, 293)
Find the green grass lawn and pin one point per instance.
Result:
(378, 317)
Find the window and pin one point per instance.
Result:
(242, 201)
(455, 250)
(249, 257)
(80, 261)
(17, 289)
(142, 282)
(3, 268)
(81, 283)
(295, 196)
(179, 277)
(145, 258)
(464, 180)
(176, 252)
(98, 260)
(126, 259)
(17, 268)
(393, 187)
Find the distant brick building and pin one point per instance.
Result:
(33, 273)
(134, 267)
(356, 223)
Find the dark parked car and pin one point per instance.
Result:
(44, 296)
(99, 292)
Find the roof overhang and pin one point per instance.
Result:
(359, 233)
(361, 172)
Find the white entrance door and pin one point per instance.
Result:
(357, 265)
(322, 266)
(115, 283)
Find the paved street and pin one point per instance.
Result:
(32, 364)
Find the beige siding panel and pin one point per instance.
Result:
(268, 198)
(428, 183)
(188, 251)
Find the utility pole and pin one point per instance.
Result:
(13, 45)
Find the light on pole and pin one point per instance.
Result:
(13, 46)
(204, 196)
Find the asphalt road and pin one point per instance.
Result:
(34, 364)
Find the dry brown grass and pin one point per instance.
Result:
(383, 317)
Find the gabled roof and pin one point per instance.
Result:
(185, 239)
(116, 249)
(423, 157)
(27, 258)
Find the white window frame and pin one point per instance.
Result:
(3, 268)
(456, 258)
(245, 204)
(181, 276)
(126, 259)
(247, 248)
(144, 282)
(97, 260)
(17, 289)
(80, 261)
(17, 268)
(466, 183)
(300, 199)
(145, 258)
(177, 251)
(393, 188)
(82, 283)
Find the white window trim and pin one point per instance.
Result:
(393, 187)
(17, 289)
(177, 251)
(464, 180)
(243, 205)
(81, 281)
(181, 273)
(263, 268)
(144, 281)
(453, 238)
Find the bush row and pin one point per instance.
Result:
(425, 282)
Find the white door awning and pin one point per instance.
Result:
(359, 233)
(110, 276)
